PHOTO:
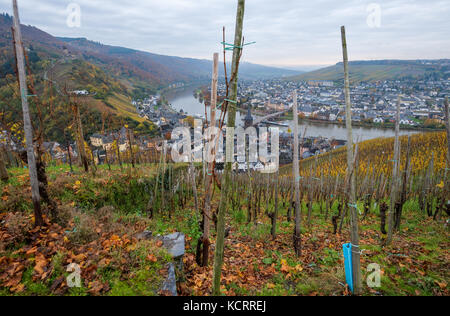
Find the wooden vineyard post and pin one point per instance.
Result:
(3, 171)
(212, 137)
(296, 174)
(447, 178)
(130, 143)
(447, 125)
(226, 178)
(356, 264)
(275, 210)
(395, 176)
(80, 136)
(38, 220)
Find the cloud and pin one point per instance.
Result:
(287, 32)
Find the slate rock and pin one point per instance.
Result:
(145, 235)
(175, 244)
(170, 283)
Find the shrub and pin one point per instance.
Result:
(64, 215)
(83, 232)
(18, 225)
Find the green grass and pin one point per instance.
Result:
(423, 241)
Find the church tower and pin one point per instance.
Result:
(248, 120)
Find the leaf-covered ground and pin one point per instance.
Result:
(101, 214)
(417, 263)
(99, 240)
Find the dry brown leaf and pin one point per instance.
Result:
(41, 264)
(152, 258)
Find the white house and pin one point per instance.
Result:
(80, 92)
(378, 120)
(406, 122)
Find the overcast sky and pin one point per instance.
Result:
(287, 32)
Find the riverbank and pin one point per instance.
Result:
(385, 126)
(193, 85)
(184, 100)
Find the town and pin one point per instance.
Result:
(374, 104)
(422, 102)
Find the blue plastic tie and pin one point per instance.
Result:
(232, 46)
(355, 206)
(347, 250)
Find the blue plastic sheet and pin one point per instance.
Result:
(348, 265)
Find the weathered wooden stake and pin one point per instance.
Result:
(212, 139)
(80, 136)
(296, 174)
(403, 192)
(130, 143)
(226, 178)
(351, 194)
(447, 125)
(395, 176)
(3, 171)
(26, 119)
(275, 210)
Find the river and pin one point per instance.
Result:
(185, 100)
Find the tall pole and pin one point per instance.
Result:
(218, 254)
(447, 125)
(38, 221)
(130, 143)
(212, 136)
(80, 136)
(350, 160)
(3, 172)
(395, 174)
(296, 174)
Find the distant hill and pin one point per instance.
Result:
(381, 70)
(58, 68)
(175, 68)
(112, 75)
(129, 65)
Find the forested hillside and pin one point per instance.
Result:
(54, 72)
